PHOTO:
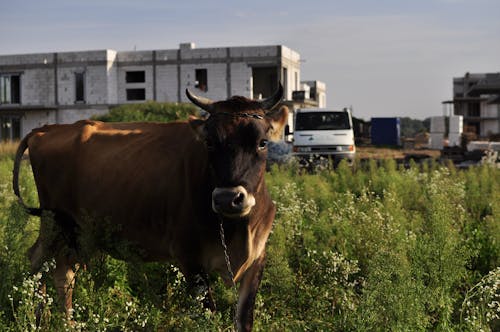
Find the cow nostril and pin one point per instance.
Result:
(238, 200)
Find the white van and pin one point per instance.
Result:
(324, 132)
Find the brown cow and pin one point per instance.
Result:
(167, 188)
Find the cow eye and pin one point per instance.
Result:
(263, 145)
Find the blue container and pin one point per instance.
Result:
(385, 131)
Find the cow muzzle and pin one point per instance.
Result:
(232, 202)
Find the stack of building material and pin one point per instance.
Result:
(483, 145)
(456, 129)
(438, 128)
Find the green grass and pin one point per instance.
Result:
(366, 249)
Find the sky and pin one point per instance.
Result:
(380, 57)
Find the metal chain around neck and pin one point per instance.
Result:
(229, 269)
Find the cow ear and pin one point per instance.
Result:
(198, 127)
(278, 119)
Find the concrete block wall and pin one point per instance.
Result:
(321, 92)
(81, 56)
(289, 85)
(291, 61)
(456, 124)
(490, 110)
(438, 124)
(490, 127)
(134, 56)
(165, 55)
(290, 54)
(36, 119)
(166, 83)
(491, 119)
(253, 51)
(95, 87)
(37, 87)
(216, 79)
(123, 85)
(27, 59)
(166, 76)
(203, 53)
(241, 80)
(94, 65)
(322, 100)
(296, 85)
(436, 141)
(66, 84)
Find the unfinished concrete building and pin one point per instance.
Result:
(63, 87)
(477, 98)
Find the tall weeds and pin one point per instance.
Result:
(8, 148)
(371, 249)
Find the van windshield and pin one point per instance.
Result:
(322, 121)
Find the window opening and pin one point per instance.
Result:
(201, 79)
(136, 94)
(138, 76)
(79, 87)
(10, 89)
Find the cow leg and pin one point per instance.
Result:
(36, 255)
(55, 236)
(199, 285)
(64, 279)
(246, 296)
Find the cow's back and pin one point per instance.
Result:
(147, 177)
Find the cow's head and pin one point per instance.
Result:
(236, 135)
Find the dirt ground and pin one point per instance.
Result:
(364, 152)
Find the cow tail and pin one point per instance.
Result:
(23, 146)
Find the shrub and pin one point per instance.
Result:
(149, 111)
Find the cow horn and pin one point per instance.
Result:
(203, 103)
(269, 103)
